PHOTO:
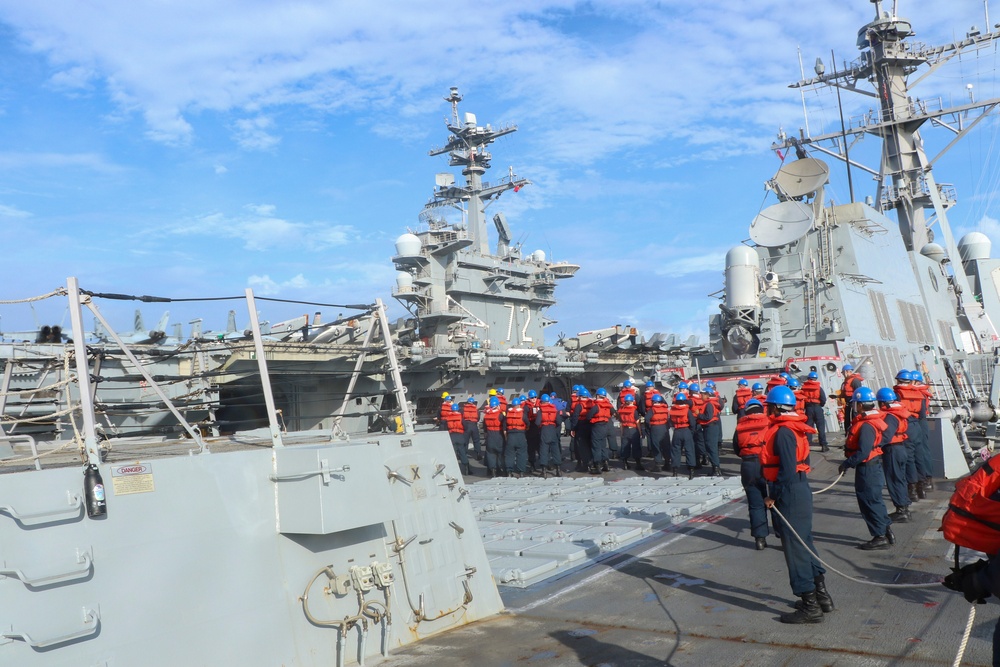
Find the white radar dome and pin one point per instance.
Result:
(974, 245)
(933, 251)
(403, 280)
(408, 245)
(538, 255)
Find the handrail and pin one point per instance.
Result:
(51, 516)
(82, 557)
(91, 622)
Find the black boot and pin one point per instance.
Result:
(558, 471)
(825, 449)
(543, 472)
(639, 467)
(877, 543)
(921, 494)
(760, 543)
(716, 471)
(928, 484)
(890, 536)
(822, 596)
(604, 467)
(901, 515)
(806, 611)
(468, 469)
(911, 491)
(690, 472)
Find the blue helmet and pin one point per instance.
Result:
(682, 386)
(500, 390)
(783, 396)
(532, 394)
(863, 395)
(757, 386)
(885, 395)
(455, 407)
(629, 398)
(793, 383)
(678, 397)
(601, 391)
(627, 383)
(494, 402)
(516, 402)
(649, 383)
(659, 399)
(545, 398)
(710, 384)
(753, 403)
(742, 382)
(917, 376)
(785, 376)
(813, 375)
(470, 399)
(904, 375)
(848, 367)
(584, 393)
(693, 387)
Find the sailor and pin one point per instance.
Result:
(503, 399)
(570, 424)
(918, 382)
(494, 423)
(757, 391)
(863, 449)
(682, 420)
(775, 381)
(784, 459)
(534, 435)
(628, 414)
(581, 431)
(646, 408)
(912, 399)
(896, 419)
(549, 421)
(747, 442)
(456, 430)
(517, 442)
(814, 397)
(658, 421)
(852, 381)
(719, 403)
(796, 387)
(711, 430)
(697, 402)
(446, 401)
(627, 390)
(600, 423)
(742, 395)
(470, 420)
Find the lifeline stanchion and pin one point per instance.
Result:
(827, 488)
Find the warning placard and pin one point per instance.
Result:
(128, 478)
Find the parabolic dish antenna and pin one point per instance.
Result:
(781, 224)
(799, 178)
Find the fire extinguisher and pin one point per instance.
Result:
(93, 487)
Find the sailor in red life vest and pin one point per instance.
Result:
(627, 390)
(446, 401)
(682, 421)
(814, 397)
(470, 419)
(917, 452)
(658, 428)
(864, 454)
(549, 421)
(743, 394)
(711, 429)
(747, 442)
(718, 402)
(796, 387)
(775, 381)
(534, 435)
(628, 414)
(600, 425)
(570, 422)
(918, 383)
(645, 406)
(852, 381)
(697, 401)
(456, 430)
(757, 391)
(922, 451)
(581, 431)
(517, 441)
(784, 460)
(494, 423)
(502, 399)
(896, 419)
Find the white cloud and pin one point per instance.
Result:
(74, 78)
(12, 212)
(252, 134)
(714, 260)
(261, 230)
(220, 169)
(89, 161)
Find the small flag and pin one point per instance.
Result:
(516, 188)
(780, 155)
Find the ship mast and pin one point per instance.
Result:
(466, 148)
(906, 183)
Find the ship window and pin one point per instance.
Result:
(915, 322)
(881, 312)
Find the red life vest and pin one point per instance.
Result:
(750, 433)
(445, 409)
(696, 402)
(699, 415)
(910, 397)
(503, 402)
(585, 405)
(627, 414)
(650, 393)
(925, 390)
(810, 392)
(659, 414)
(774, 381)
(603, 411)
(769, 461)
(515, 418)
(549, 414)
(874, 417)
(901, 414)
(470, 412)
(847, 390)
(491, 419)
(573, 400)
(454, 421)
(680, 415)
(972, 519)
(743, 395)
(626, 391)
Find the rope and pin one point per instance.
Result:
(41, 418)
(847, 576)
(965, 637)
(37, 390)
(59, 291)
(826, 488)
(28, 459)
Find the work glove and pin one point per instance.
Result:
(964, 580)
(842, 468)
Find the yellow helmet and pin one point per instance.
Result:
(493, 392)
(445, 395)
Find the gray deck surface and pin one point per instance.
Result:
(700, 594)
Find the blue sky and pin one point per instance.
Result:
(194, 148)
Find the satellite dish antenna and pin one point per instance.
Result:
(781, 224)
(802, 177)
